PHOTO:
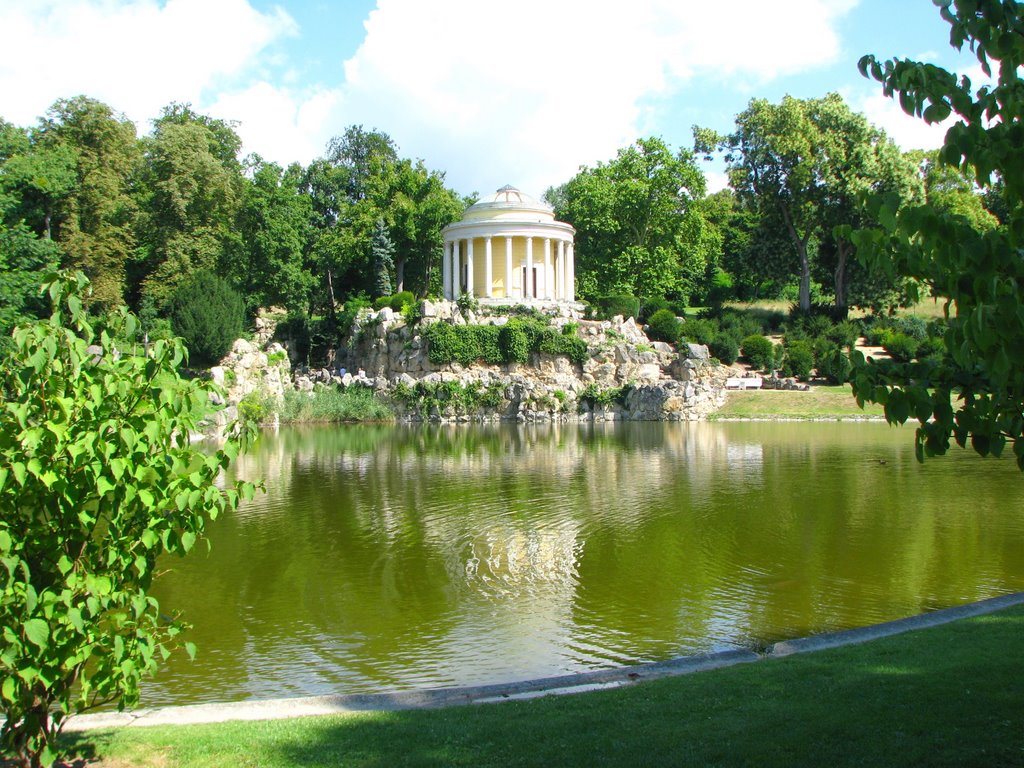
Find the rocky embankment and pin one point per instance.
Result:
(624, 375)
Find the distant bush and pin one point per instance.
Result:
(620, 304)
(513, 343)
(510, 343)
(844, 334)
(913, 326)
(209, 315)
(397, 302)
(663, 325)
(725, 348)
(835, 366)
(799, 361)
(347, 317)
(901, 347)
(759, 351)
(931, 348)
(699, 331)
(649, 306)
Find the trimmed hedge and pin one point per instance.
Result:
(492, 344)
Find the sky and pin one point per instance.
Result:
(489, 93)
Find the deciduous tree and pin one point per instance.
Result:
(975, 393)
(639, 226)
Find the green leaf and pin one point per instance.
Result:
(38, 633)
(9, 690)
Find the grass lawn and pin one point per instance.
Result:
(822, 402)
(948, 696)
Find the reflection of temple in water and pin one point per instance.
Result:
(385, 555)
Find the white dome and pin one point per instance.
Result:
(509, 202)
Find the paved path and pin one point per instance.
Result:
(274, 709)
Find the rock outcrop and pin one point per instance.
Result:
(623, 376)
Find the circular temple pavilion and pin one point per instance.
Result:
(509, 246)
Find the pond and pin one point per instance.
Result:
(387, 557)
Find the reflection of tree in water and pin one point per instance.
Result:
(572, 545)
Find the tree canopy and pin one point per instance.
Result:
(803, 165)
(639, 222)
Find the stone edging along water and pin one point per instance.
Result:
(274, 709)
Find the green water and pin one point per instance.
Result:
(385, 558)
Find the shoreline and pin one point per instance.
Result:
(435, 698)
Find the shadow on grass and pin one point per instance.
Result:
(949, 696)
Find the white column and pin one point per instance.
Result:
(488, 268)
(561, 270)
(508, 267)
(469, 266)
(446, 271)
(528, 287)
(548, 275)
(570, 278)
(456, 268)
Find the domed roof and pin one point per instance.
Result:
(509, 202)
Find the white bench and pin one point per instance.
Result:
(743, 382)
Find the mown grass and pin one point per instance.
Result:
(947, 696)
(821, 402)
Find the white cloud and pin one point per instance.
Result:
(913, 132)
(492, 93)
(279, 124)
(135, 55)
(527, 92)
(908, 132)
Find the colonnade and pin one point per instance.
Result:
(548, 274)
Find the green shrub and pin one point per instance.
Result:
(901, 347)
(100, 484)
(913, 326)
(256, 408)
(619, 304)
(596, 397)
(464, 344)
(649, 306)
(931, 348)
(877, 335)
(700, 331)
(740, 324)
(208, 314)
(513, 343)
(759, 351)
(663, 325)
(347, 317)
(799, 361)
(724, 347)
(835, 366)
(844, 334)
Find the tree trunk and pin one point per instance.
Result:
(842, 288)
(805, 265)
(330, 295)
(400, 275)
(805, 277)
